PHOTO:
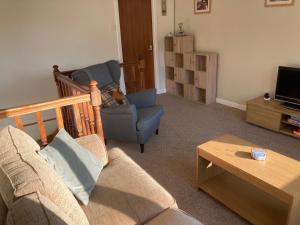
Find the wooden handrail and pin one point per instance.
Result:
(72, 84)
(81, 110)
(42, 106)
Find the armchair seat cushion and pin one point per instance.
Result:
(125, 194)
(148, 117)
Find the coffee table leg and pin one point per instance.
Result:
(294, 214)
(206, 170)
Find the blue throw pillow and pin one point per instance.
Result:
(78, 168)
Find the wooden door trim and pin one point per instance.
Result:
(155, 44)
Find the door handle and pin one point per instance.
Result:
(150, 48)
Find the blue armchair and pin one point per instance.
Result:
(135, 122)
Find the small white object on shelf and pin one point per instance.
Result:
(258, 154)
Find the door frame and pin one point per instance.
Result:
(155, 43)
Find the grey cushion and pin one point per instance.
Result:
(115, 70)
(82, 77)
(148, 116)
(78, 167)
(99, 72)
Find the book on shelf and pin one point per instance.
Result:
(295, 118)
(293, 122)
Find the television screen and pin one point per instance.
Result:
(288, 84)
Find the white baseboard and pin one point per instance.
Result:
(161, 91)
(231, 104)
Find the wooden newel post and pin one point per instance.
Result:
(55, 70)
(96, 102)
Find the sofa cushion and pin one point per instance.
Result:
(98, 72)
(78, 168)
(125, 194)
(174, 217)
(148, 116)
(3, 211)
(23, 172)
(96, 146)
(35, 209)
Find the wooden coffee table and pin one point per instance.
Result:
(262, 192)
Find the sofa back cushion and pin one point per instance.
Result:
(35, 209)
(24, 172)
(99, 72)
(115, 70)
(96, 146)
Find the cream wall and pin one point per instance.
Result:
(252, 41)
(36, 34)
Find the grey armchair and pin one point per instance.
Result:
(136, 122)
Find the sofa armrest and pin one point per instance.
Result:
(119, 123)
(143, 99)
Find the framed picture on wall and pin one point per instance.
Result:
(279, 2)
(202, 6)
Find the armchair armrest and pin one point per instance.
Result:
(119, 123)
(143, 99)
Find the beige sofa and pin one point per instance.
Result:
(31, 193)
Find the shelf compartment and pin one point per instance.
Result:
(169, 44)
(189, 91)
(189, 61)
(169, 59)
(171, 86)
(201, 79)
(179, 60)
(200, 95)
(179, 89)
(201, 63)
(247, 200)
(288, 130)
(287, 119)
(184, 76)
(190, 76)
(170, 74)
(183, 44)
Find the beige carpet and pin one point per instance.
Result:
(170, 157)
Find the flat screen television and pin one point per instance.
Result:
(288, 86)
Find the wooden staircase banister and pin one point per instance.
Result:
(42, 106)
(83, 110)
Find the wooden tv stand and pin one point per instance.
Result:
(271, 115)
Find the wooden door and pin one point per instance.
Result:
(137, 42)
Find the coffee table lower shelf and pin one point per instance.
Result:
(246, 200)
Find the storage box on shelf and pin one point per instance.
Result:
(190, 74)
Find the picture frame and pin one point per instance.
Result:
(202, 6)
(163, 7)
(270, 3)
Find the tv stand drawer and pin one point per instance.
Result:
(263, 117)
